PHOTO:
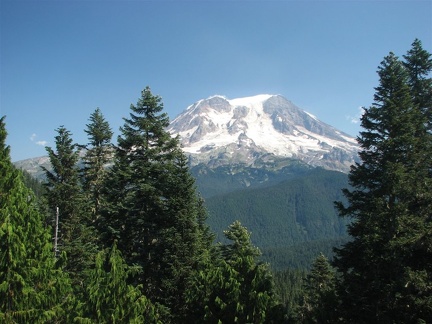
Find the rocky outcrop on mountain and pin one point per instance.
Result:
(219, 131)
(246, 131)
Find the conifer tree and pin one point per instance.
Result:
(32, 288)
(152, 207)
(99, 152)
(63, 182)
(320, 300)
(418, 63)
(387, 267)
(110, 298)
(64, 192)
(206, 236)
(236, 288)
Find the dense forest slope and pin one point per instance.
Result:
(292, 211)
(265, 172)
(289, 219)
(287, 205)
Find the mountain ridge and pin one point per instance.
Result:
(286, 201)
(220, 131)
(257, 131)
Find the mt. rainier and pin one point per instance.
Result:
(219, 131)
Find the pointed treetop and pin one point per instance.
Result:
(98, 130)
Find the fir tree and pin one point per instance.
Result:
(110, 299)
(386, 268)
(64, 192)
(236, 288)
(206, 236)
(418, 63)
(32, 288)
(152, 207)
(99, 152)
(319, 300)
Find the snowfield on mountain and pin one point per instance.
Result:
(244, 129)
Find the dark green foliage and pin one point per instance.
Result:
(110, 299)
(418, 63)
(62, 183)
(152, 207)
(387, 267)
(300, 256)
(236, 288)
(39, 190)
(32, 288)
(64, 192)
(99, 152)
(33, 184)
(283, 215)
(225, 179)
(320, 302)
(288, 285)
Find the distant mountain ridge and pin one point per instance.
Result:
(34, 166)
(255, 131)
(219, 131)
(266, 162)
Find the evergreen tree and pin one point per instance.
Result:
(110, 299)
(98, 154)
(319, 299)
(152, 208)
(64, 192)
(206, 236)
(236, 288)
(387, 267)
(32, 289)
(418, 63)
(290, 291)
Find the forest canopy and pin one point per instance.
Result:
(132, 243)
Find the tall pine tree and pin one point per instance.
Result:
(109, 296)
(387, 267)
(153, 209)
(319, 300)
(99, 152)
(236, 287)
(32, 288)
(76, 236)
(418, 63)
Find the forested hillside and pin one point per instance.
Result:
(292, 211)
(132, 244)
(292, 221)
(265, 172)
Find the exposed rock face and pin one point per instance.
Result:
(219, 131)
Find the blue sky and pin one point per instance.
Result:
(60, 60)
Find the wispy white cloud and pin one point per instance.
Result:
(356, 119)
(41, 143)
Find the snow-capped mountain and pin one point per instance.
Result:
(220, 131)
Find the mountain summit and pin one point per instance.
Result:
(219, 131)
